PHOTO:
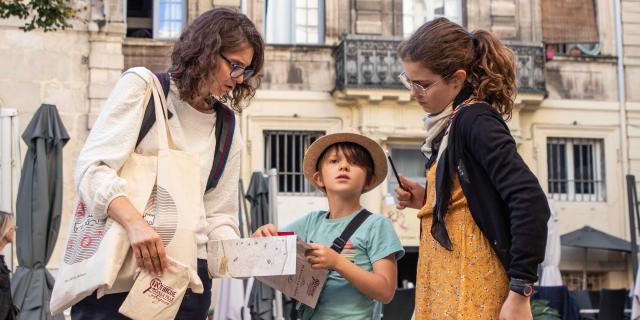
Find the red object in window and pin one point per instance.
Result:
(286, 233)
(549, 53)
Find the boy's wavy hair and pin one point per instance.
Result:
(444, 47)
(194, 53)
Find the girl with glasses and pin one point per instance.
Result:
(483, 213)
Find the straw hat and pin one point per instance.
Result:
(316, 149)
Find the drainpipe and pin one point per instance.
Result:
(623, 114)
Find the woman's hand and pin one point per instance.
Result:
(147, 247)
(146, 244)
(516, 307)
(267, 230)
(412, 196)
(322, 257)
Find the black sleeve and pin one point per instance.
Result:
(491, 144)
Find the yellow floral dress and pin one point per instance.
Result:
(468, 282)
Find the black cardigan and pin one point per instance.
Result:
(504, 196)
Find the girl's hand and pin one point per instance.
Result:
(147, 247)
(516, 307)
(322, 257)
(412, 196)
(267, 230)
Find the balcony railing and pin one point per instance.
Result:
(372, 63)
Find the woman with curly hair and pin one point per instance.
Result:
(483, 213)
(215, 62)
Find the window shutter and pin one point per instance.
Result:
(569, 21)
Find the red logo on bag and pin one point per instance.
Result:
(160, 292)
(88, 230)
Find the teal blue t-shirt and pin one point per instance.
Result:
(375, 239)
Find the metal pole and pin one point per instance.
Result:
(273, 218)
(633, 209)
(584, 271)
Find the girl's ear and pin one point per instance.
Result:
(317, 178)
(459, 77)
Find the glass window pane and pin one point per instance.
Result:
(312, 35)
(301, 3)
(301, 17)
(312, 3)
(313, 17)
(301, 34)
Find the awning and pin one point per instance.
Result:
(590, 238)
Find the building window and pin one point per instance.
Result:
(560, 16)
(295, 21)
(284, 151)
(410, 164)
(417, 12)
(576, 169)
(158, 19)
(574, 280)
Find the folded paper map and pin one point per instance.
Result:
(305, 285)
(250, 257)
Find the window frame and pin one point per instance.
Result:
(430, 10)
(291, 7)
(156, 19)
(598, 168)
(306, 187)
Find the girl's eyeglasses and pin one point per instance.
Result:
(422, 91)
(238, 70)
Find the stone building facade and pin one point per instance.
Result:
(331, 66)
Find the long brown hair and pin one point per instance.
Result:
(444, 47)
(194, 53)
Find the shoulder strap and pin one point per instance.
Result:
(341, 241)
(225, 127)
(149, 117)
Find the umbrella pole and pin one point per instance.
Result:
(584, 271)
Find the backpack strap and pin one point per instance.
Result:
(354, 224)
(225, 127)
(149, 117)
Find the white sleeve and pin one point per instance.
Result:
(109, 144)
(221, 204)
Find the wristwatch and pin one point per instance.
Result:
(522, 287)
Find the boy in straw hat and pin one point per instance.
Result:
(362, 267)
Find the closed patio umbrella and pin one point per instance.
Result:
(38, 212)
(551, 265)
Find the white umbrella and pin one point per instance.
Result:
(551, 265)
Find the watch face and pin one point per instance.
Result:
(528, 291)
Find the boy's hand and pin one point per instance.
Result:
(411, 196)
(267, 230)
(322, 257)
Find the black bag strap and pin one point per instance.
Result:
(225, 127)
(224, 131)
(354, 224)
(149, 117)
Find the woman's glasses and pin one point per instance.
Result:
(238, 70)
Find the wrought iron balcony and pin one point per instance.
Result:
(372, 63)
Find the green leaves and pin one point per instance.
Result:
(48, 15)
(541, 310)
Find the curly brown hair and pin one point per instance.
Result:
(213, 32)
(444, 47)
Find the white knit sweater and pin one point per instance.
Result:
(114, 135)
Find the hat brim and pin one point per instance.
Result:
(316, 149)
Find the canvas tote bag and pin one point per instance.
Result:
(164, 187)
